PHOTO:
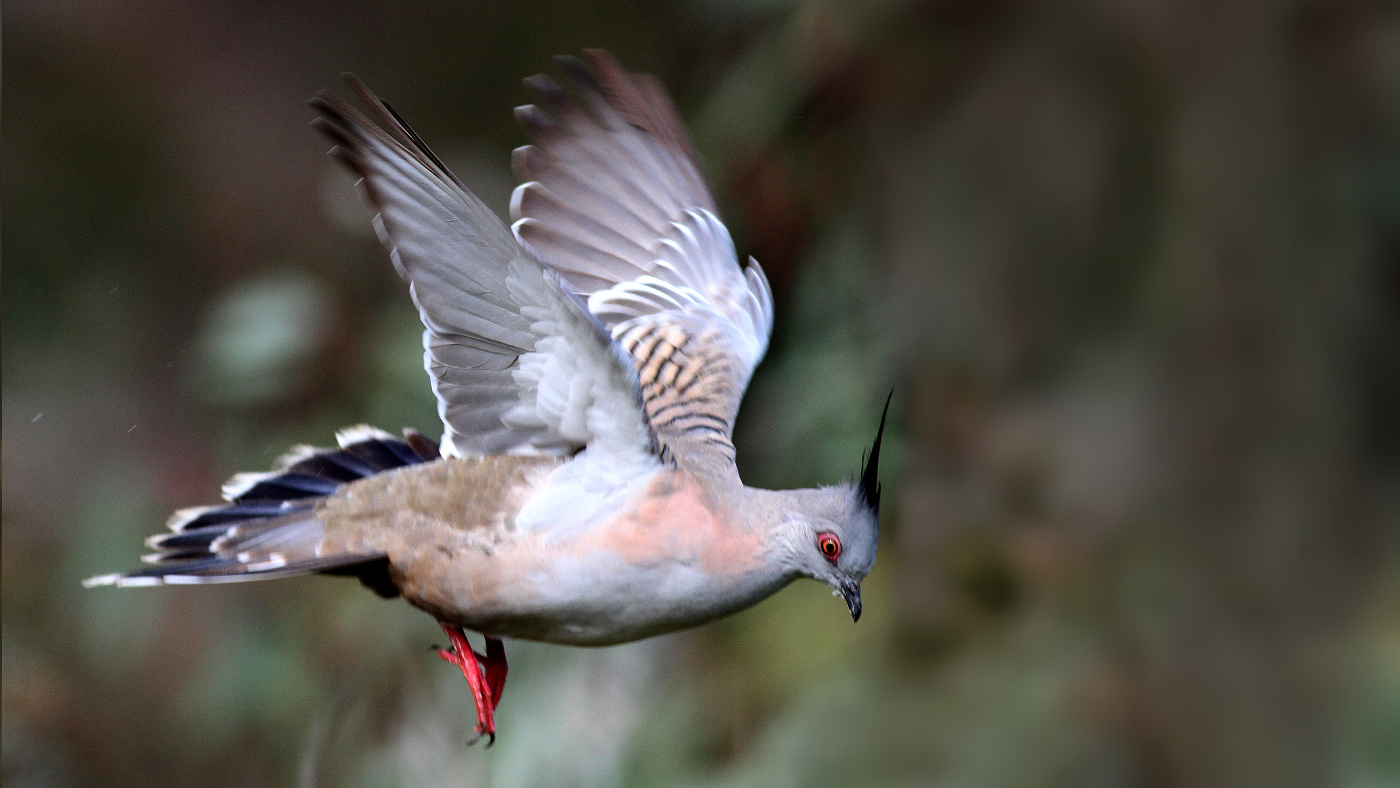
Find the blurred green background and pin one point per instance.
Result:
(1132, 268)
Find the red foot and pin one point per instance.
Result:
(486, 674)
(496, 669)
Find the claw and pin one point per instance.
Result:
(486, 680)
(490, 738)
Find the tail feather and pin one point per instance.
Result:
(269, 527)
(198, 517)
(277, 487)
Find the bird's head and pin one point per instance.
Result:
(833, 534)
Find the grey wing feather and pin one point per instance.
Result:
(517, 362)
(614, 200)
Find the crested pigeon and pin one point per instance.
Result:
(588, 363)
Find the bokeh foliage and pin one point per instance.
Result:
(1132, 269)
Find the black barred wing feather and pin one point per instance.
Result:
(613, 199)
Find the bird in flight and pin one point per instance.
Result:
(588, 363)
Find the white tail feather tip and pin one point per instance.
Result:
(185, 580)
(183, 517)
(360, 433)
(241, 483)
(295, 455)
(274, 561)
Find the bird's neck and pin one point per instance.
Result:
(715, 474)
(777, 518)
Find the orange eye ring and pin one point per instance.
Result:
(829, 545)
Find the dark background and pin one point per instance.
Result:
(1132, 268)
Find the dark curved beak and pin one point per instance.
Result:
(850, 591)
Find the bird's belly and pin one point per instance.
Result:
(594, 598)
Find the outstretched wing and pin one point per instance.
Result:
(517, 362)
(613, 199)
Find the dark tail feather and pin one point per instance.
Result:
(269, 527)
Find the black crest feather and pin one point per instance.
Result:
(870, 476)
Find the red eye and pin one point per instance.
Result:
(830, 546)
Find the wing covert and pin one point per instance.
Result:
(614, 200)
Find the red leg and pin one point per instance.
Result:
(462, 655)
(495, 665)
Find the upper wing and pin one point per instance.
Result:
(517, 362)
(613, 199)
